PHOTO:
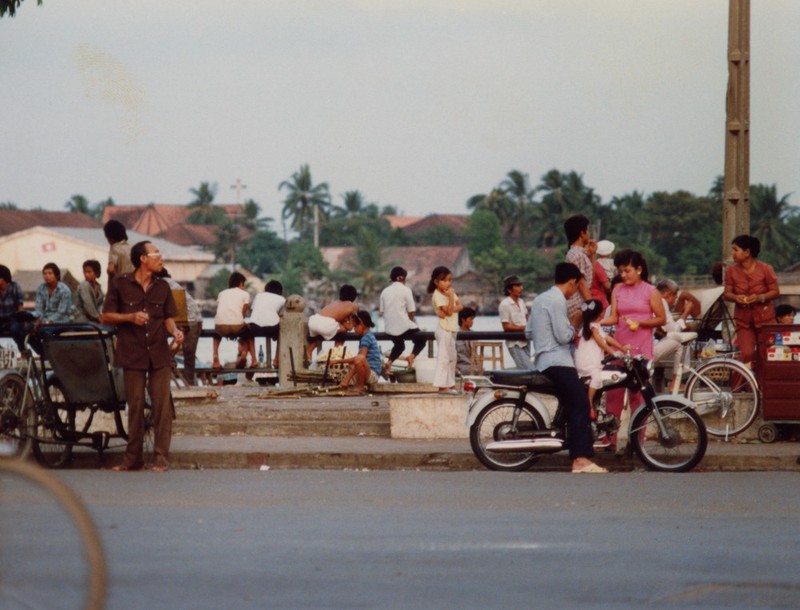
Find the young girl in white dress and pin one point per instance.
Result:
(446, 305)
(593, 347)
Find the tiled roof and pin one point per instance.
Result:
(401, 222)
(158, 219)
(457, 222)
(12, 221)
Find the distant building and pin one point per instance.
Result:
(169, 222)
(30, 249)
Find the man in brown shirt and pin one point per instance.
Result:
(143, 310)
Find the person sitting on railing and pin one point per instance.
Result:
(232, 305)
(334, 318)
(265, 312)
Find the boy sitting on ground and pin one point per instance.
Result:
(365, 367)
(332, 319)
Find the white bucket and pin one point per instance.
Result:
(425, 368)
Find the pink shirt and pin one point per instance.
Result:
(634, 302)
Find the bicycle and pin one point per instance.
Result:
(30, 499)
(725, 391)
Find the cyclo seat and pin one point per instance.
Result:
(533, 380)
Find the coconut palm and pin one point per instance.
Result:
(78, 204)
(203, 211)
(769, 216)
(305, 202)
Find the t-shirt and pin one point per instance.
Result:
(513, 313)
(397, 301)
(230, 303)
(449, 323)
(119, 255)
(266, 306)
(373, 351)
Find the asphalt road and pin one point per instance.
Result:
(331, 539)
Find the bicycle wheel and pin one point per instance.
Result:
(679, 447)
(726, 396)
(15, 419)
(494, 424)
(46, 529)
(54, 429)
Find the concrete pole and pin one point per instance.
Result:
(736, 185)
(293, 336)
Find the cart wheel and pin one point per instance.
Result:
(767, 433)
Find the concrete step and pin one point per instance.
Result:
(281, 427)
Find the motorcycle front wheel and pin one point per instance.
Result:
(681, 444)
(495, 423)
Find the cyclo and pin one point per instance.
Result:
(48, 405)
(511, 428)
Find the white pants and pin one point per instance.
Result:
(445, 374)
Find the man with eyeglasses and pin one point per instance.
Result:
(141, 306)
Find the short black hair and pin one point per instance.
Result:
(397, 273)
(5, 273)
(274, 286)
(467, 312)
(363, 317)
(574, 226)
(348, 293)
(236, 279)
(115, 231)
(54, 268)
(93, 265)
(138, 250)
(566, 272)
(784, 309)
(748, 242)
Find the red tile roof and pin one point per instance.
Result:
(12, 221)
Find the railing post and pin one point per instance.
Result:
(293, 336)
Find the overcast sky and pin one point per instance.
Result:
(419, 104)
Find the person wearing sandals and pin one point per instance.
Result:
(553, 336)
(365, 367)
(141, 306)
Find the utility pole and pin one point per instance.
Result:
(736, 185)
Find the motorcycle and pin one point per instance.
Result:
(511, 428)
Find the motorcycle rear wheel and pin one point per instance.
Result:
(494, 423)
(680, 449)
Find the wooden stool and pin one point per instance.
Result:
(479, 356)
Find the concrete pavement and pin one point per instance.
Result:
(241, 429)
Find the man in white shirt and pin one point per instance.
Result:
(514, 317)
(397, 308)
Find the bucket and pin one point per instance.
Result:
(425, 368)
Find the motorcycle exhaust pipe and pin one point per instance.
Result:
(527, 444)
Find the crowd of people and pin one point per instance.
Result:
(565, 336)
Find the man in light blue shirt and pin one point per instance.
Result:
(553, 337)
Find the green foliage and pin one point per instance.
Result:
(303, 196)
(263, 254)
(483, 232)
(204, 212)
(218, 283)
(9, 7)
(367, 271)
(8, 205)
(770, 222)
(440, 235)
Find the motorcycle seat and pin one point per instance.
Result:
(533, 380)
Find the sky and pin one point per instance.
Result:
(418, 104)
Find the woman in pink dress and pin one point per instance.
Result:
(636, 310)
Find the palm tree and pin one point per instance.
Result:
(78, 204)
(564, 196)
(203, 210)
(368, 271)
(305, 202)
(353, 205)
(769, 223)
(497, 201)
(516, 189)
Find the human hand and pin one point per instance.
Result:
(178, 336)
(140, 318)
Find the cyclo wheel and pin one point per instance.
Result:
(679, 449)
(725, 394)
(494, 424)
(36, 535)
(15, 419)
(54, 429)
